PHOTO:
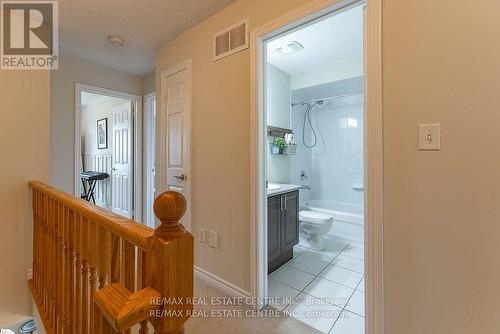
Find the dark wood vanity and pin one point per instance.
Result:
(282, 228)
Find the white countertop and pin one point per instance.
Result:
(284, 188)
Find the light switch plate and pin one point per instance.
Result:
(212, 239)
(202, 235)
(429, 137)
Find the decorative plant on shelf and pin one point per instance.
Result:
(281, 144)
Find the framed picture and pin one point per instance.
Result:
(102, 133)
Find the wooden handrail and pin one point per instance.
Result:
(130, 230)
(98, 272)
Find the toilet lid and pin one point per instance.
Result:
(314, 216)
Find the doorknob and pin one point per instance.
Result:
(113, 169)
(181, 177)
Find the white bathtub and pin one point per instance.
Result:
(348, 219)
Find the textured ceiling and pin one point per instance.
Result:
(144, 24)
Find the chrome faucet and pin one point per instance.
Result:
(303, 186)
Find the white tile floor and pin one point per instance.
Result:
(324, 289)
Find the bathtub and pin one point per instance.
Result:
(348, 219)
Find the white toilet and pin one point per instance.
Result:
(313, 227)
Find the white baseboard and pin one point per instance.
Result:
(229, 288)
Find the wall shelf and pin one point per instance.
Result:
(274, 131)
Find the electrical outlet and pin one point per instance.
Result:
(29, 274)
(213, 239)
(202, 235)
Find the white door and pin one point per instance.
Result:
(122, 175)
(149, 150)
(177, 102)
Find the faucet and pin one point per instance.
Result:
(303, 186)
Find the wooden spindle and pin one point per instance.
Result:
(51, 264)
(60, 268)
(85, 276)
(44, 253)
(94, 230)
(35, 240)
(78, 273)
(129, 266)
(141, 284)
(67, 268)
(55, 268)
(116, 258)
(144, 328)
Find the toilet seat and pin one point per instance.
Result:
(314, 217)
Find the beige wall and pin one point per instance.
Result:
(442, 209)
(73, 70)
(24, 138)
(221, 135)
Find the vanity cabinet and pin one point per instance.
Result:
(282, 228)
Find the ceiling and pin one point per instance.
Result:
(144, 24)
(333, 40)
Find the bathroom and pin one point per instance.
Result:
(315, 172)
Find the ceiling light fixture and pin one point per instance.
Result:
(115, 40)
(289, 48)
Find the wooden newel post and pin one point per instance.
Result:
(170, 264)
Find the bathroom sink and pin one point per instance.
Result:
(273, 186)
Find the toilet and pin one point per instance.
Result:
(313, 227)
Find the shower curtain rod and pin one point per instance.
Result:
(327, 98)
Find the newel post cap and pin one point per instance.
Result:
(169, 207)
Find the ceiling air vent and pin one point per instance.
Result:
(231, 40)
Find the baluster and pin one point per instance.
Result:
(107, 328)
(72, 270)
(55, 267)
(129, 268)
(44, 253)
(78, 272)
(116, 258)
(85, 276)
(103, 270)
(34, 204)
(144, 329)
(50, 258)
(141, 283)
(38, 246)
(60, 267)
(67, 265)
(55, 302)
(94, 229)
(53, 264)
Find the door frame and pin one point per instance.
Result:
(149, 138)
(162, 135)
(137, 140)
(373, 149)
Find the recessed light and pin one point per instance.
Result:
(289, 48)
(115, 40)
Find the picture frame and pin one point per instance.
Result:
(102, 134)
